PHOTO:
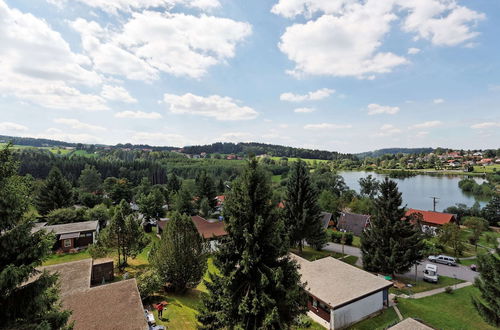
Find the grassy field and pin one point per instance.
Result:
(386, 319)
(487, 169)
(55, 259)
(422, 286)
(308, 161)
(446, 311)
(312, 254)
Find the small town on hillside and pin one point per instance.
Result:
(249, 165)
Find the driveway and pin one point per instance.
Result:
(460, 272)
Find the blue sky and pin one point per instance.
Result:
(344, 75)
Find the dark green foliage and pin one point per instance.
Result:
(328, 202)
(449, 234)
(183, 202)
(89, 199)
(488, 305)
(369, 186)
(55, 193)
(151, 205)
(118, 189)
(148, 283)
(258, 285)
(336, 236)
(90, 180)
(491, 211)
(99, 213)
(124, 233)
(477, 226)
(205, 188)
(180, 257)
(302, 214)
(66, 215)
(348, 238)
(34, 305)
(173, 183)
(390, 245)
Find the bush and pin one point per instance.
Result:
(66, 215)
(348, 237)
(336, 236)
(148, 283)
(303, 322)
(448, 290)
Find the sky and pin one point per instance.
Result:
(339, 75)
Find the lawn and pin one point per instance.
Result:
(422, 286)
(386, 319)
(55, 259)
(311, 254)
(486, 169)
(308, 161)
(446, 311)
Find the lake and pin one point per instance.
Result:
(418, 190)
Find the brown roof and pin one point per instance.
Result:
(437, 218)
(353, 222)
(209, 229)
(110, 306)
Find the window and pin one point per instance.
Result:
(315, 303)
(88, 234)
(67, 243)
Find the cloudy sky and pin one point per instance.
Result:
(346, 75)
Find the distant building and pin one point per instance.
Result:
(71, 236)
(432, 220)
(326, 219)
(352, 222)
(341, 294)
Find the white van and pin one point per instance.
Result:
(450, 261)
(431, 273)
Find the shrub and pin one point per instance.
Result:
(348, 237)
(448, 290)
(148, 283)
(336, 236)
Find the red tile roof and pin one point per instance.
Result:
(209, 229)
(437, 218)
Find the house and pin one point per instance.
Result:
(410, 324)
(116, 305)
(352, 222)
(340, 294)
(432, 220)
(486, 161)
(326, 219)
(71, 236)
(220, 201)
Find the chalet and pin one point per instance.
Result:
(486, 161)
(71, 236)
(209, 229)
(432, 220)
(352, 222)
(340, 294)
(115, 305)
(326, 219)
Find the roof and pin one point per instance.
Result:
(337, 283)
(353, 222)
(437, 218)
(325, 219)
(66, 228)
(110, 306)
(209, 229)
(410, 324)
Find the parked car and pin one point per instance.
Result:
(442, 259)
(473, 267)
(430, 273)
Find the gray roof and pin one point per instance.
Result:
(325, 219)
(410, 324)
(67, 228)
(353, 222)
(337, 283)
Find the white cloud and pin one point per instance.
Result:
(116, 6)
(37, 65)
(304, 110)
(215, 106)
(56, 134)
(388, 130)
(487, 124)
(413, 51)
(375, 109)
(159, 139)
(235, 137)
(326, 126)
(427, 124)
(9, 126)
(310, 96)
(138, 115)
(438, 101)
(117, 93)
(422, 134)
(151, 42)
(76, 124)
(344, 37)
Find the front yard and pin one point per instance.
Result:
(422, 286)
(312, 254)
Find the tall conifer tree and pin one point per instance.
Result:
(55, 193)
(23, 306)
(489, 285)
(258, 285)
(390, 244)
(302, 212)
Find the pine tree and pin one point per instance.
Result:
(183, 202)
(24, 306)
(302, 213)
(173, 184)
(488, 284)
(390, 244)
(206, 189)
(258, 285)
(180, 257)
(491, 211)
(55, 193)
(90, 179)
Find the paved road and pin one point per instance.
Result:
(460, 272)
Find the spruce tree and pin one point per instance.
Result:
(491, 211)
(55, 192)
(180, 257)
(302, 213)
(488, 283)
(206, 189)
(258, 285)
(183, 202)
(390, 244)
(24, 306)
(90, 179)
